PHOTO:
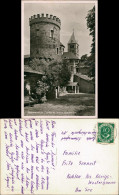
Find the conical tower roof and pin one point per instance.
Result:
(72, 39)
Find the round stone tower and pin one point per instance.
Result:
(45, 37)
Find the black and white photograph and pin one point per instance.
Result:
(59, 59)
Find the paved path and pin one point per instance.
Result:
(68, 105)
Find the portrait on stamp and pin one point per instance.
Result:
(59, 58)
(105, 133)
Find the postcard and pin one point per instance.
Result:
(59, 59)
(59, 156)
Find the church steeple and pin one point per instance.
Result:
(72, 39)
(73, 46)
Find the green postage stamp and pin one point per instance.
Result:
(105, 133)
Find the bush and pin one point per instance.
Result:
(41, 90)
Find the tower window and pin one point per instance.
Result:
(71, 46)
(37, 30)
(57, 50)
(51, 33)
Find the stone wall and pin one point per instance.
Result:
(45, 39)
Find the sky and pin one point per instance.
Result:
(72, 16)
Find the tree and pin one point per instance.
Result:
(56, 73)
(91, 26)
(38, 64)
(41, 89)
(64, 75)
(84, 58)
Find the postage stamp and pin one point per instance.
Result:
(105, 133)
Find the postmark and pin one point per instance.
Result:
(105, 133)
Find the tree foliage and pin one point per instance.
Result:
(91, 26)
(38, 64)
(84, 58)
(41, 88)
(56, 73)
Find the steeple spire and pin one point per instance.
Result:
(72, 39)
